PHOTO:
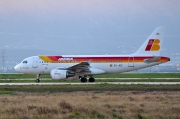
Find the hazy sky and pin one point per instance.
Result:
(87, 26)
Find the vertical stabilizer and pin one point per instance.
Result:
(153, 45)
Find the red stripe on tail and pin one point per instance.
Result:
(149, 45)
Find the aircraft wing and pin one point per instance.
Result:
(83, 66)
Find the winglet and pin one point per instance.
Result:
(153, 45)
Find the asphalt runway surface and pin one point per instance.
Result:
(95, 83)
(102, 79)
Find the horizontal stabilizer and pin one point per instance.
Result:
(150, 60)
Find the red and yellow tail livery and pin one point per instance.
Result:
(153, 45)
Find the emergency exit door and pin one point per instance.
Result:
(131, 62)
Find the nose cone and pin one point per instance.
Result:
(16, 68)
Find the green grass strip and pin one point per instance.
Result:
(124, 75)
(97, 88)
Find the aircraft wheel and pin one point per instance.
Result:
(83, 80)
(91, 79)
(37, 80)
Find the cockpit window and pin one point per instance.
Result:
(24, 62)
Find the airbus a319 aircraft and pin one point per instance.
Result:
(64, 66)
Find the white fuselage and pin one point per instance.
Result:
(35, 65)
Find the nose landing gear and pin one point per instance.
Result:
(37, 79)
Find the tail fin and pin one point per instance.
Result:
(153, 45)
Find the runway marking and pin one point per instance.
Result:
(117, 83)
(104, 79)
(138, 78)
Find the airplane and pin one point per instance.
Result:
(65, 66)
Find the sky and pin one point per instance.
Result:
(87, 26)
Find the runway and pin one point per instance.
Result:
(107, 79)
(116, 83)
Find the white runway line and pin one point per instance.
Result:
(103, 79)
(117, 83)
(138, 78)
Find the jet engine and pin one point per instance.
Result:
(61, 74)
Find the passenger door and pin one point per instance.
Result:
(35, 62)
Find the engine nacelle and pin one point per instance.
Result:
(61, 74)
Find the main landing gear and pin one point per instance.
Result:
(84, 79)
(37, 79)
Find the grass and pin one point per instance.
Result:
(140, 75)
(124, 75)
(96, 88)
(91, 105)
(103, 101)
(97, 80)
(19, 78)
